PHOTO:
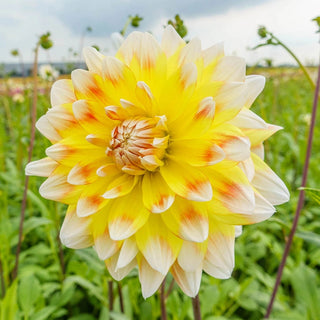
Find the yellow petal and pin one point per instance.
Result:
(84, 174)
(92, 118)
(127, 215)
(75, 149)
(232, 189)
(157, 196)
(120, 186)
(142, 53)
(186, 181)
(86, 86)
(157, 244)
(91, 200)
(188, 220)
(232, 141)
(201, 152)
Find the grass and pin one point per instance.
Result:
(44, 290)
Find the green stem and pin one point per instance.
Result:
(124, 30)
(3, 286)
(304, 70)
(32, 138)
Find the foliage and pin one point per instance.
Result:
(179, 26)
(45, 42)
(317, 21)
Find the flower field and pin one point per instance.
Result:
(54, 282)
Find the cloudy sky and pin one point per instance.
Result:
(234, 22)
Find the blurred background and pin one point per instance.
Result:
(232, 21)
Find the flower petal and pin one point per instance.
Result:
(219, 259)
(186, 181)
(191, 52)
(93, 59)
(86, 86)
(75, 232)
(75, 149)
(92, 117)
(157, 244)
(171, 41)
(188, 220)
(157, 196)
(41, 168)
(119, 273)
(201, 152)
(150, 278)
(127, 252)
(91, 200)
(105, 246)
(232, 141)
(246, 119)
(120, 186)
(230, 69)
(57, 188)
(62, 92)
(268, 183)
(232, 189)
(47, 130)
(127, 215)
(191, 255)
(213, 54)
(188, 281)
(83, 174)
(142, 53)
(254, 85)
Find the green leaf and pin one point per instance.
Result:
(44, 313)
(92, 289)
(309, 236)
(8, 306)
(313, 192)
(35, 222)
(120, 316)
(28, 293)
(84, 316)
(304, 282)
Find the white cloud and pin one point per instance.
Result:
(21, 22)
(289, 20)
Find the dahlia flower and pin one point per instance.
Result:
(48, 73)
(159, 159)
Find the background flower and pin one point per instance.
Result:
(48, 73)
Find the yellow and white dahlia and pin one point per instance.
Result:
(159, 158)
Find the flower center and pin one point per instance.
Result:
(139, 144)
